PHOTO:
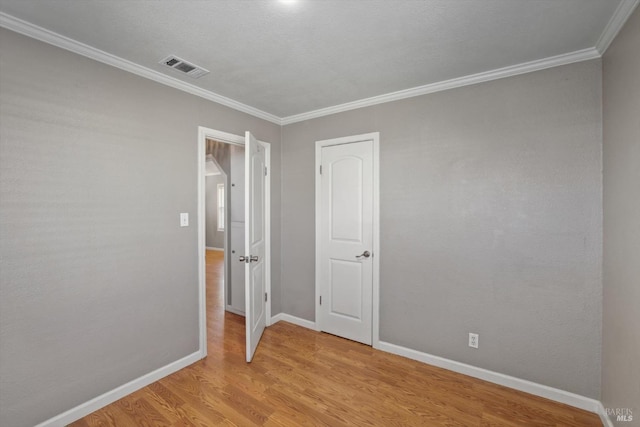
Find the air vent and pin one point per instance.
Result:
(183, 66)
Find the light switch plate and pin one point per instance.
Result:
(184, 219)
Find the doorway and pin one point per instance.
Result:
(224, 216)
(228, 151)
(347, 237)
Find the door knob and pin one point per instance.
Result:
(243, 258)
(365, 254)
(253, 258)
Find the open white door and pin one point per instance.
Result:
(255, 232)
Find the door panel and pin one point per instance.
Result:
(258, 306)
(346, 199)
(257, 173)
(255, 278)
(346, 232)
(346, 288)
(237, 282)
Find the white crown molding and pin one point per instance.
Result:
(23, 27)
(513, 70)
(620, 16)
(615, 24)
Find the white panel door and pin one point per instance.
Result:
(255, 266)
(346, 240)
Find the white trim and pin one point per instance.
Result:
(211, 248)
(202, 275)
(615, 24)
(229, 138)
(513, 70)
(233, 310)
(284, 317)
(42, 34)
(267, 233)
(557, 395)
(55, 39)
(109, 397)
(375, 303)
(375, 307)
(318, 235)
(604, 417)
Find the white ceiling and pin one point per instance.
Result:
(290, 59)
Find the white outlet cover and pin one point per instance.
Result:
(184, 219)
(473, 340)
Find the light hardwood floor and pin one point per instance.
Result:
(300, 377)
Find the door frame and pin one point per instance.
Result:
(375, 309)
(205, 133)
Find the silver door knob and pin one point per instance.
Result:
(253, 258)
(365, 254)
(243, 258)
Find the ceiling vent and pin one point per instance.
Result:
(181, 65)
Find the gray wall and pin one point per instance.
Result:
(98, 283)
(490, 222)
(214, 238)
(621, 310)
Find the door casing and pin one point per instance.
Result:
(375, 309)
(204, 134)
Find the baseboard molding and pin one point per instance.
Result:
(230, 309)
(211, 248)
(293, 319)
(105, 399)
(530, 387)
(604, 417)
(557, 395)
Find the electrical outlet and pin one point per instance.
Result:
(473, 340)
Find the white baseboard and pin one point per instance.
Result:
(105, 399)
(230, 309)
(606, 421)
(547, 392)
(557, 395)
(571, 399)
(293, 319)
(211, 248)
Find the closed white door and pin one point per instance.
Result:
(255, 232)
(345, 232)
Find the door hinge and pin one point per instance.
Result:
(320, 299)
(320, 169)
(265, 297)
(265, 171)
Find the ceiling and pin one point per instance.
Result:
(211, 168)
(283, 61)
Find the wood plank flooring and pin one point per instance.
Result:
(300, 377)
